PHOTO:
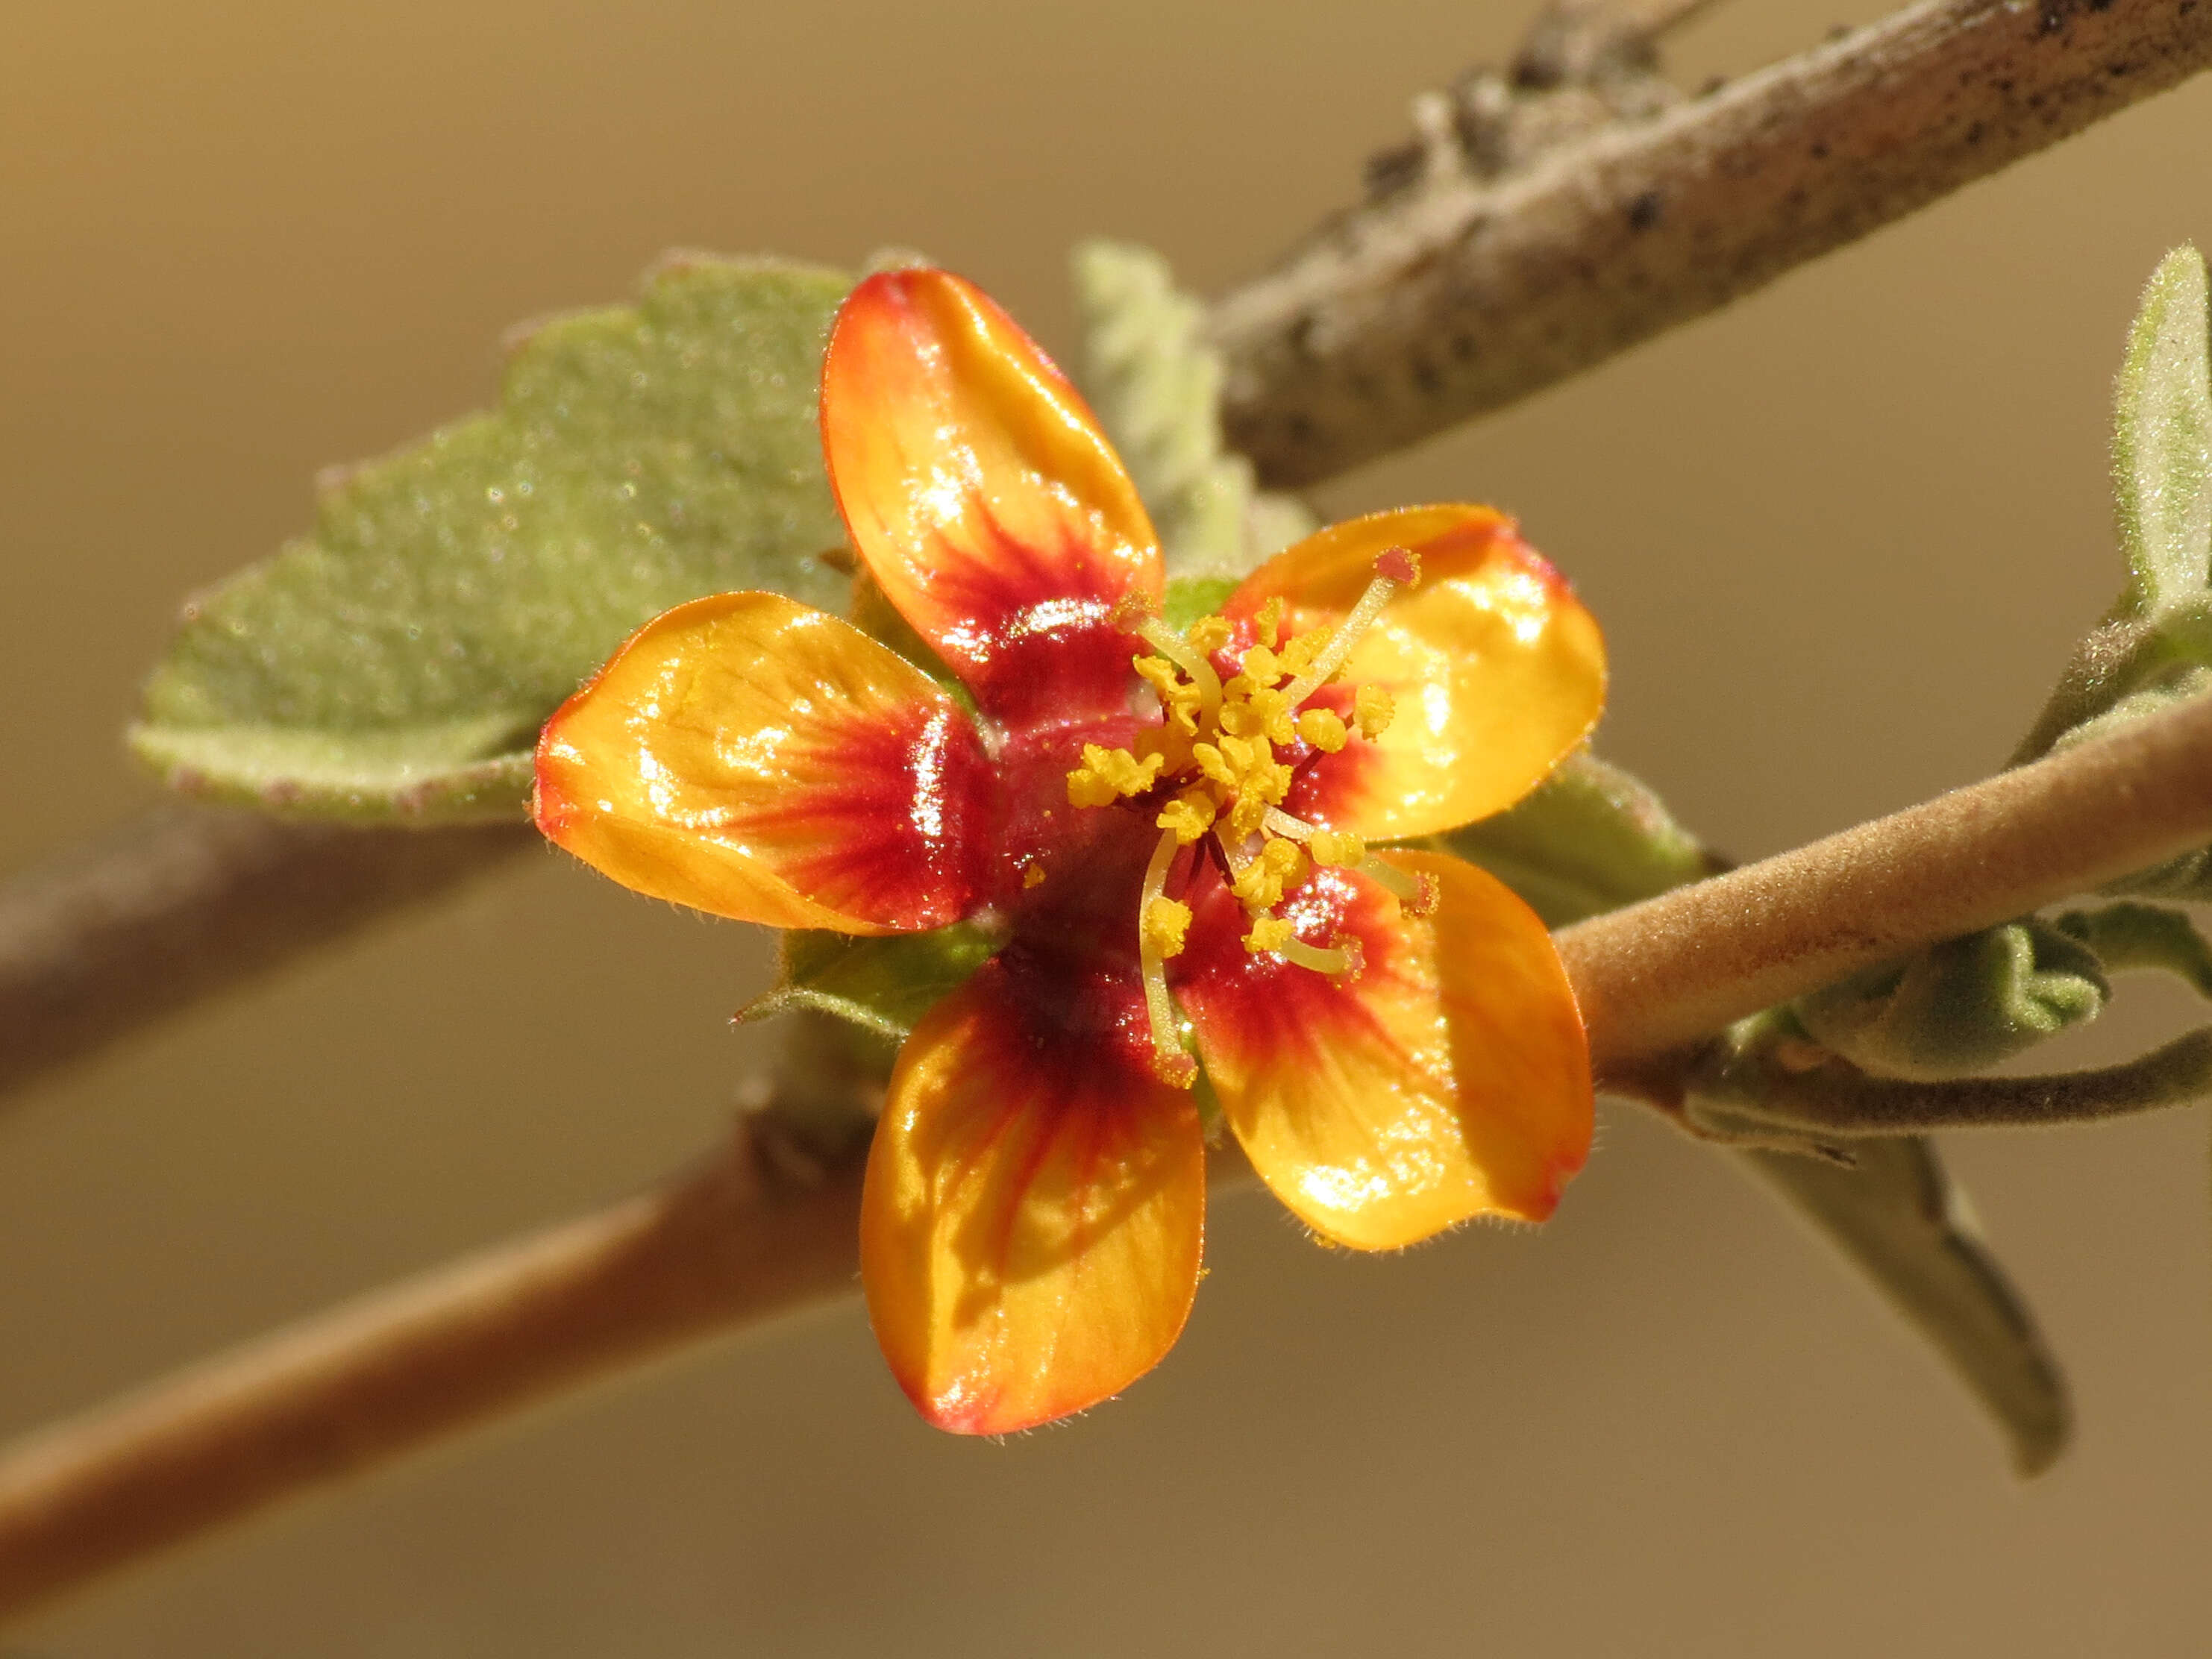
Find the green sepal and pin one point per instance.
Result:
(2162, 438)
(1155, 381)
(399, 662)
(883, 984)
(1962, 1006)
(1590, 838)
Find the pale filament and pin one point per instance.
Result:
(1380, 591)
(1169, 1062)
(1186, 656)
(1339, 960)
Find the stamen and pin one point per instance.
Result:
(1107, 774)
(1169, 1063)
(1324, 729)
(1260, 884)
(1232, 854)
(1186, 656)
(1343, 957)
(1188, 816)
(1416, 892)
(1397, 568)
(1270, 621)
(1372, 709)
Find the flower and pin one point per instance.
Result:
(1176, 828)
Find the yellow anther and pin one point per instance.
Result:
(1298, 652)
(1086, 788)
(1214, 765)
(1170, 744)
(1189, 814)
(1371, 709)
(1331, 848)
(1166, 922)
(1240, 755)
(1259, 884)
(1246, 814)
(1269, 933)
(1257, 712)
(1259, 668)
(1270, 621)
(1208, 634)
(1323, 729)
(1032, 875)
(1106, 775)
(1178, 696)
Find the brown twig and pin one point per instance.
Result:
(188, 901)
(757, 1232)
(1455, 293)
(754, 1235)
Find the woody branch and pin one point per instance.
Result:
(1478, 276)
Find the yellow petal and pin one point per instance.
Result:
(1449, 1077)
(1035, 1205)
(748, 756)
(983, 497)
(1494, 670)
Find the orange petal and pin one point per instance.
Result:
(1449, 1077)
(1496, 670)
(1031, 1229)
(750, 756)
(985, 502)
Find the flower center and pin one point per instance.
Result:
(1215, 768)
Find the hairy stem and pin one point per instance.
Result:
(1659, 974)
(1838, 1099)
(1460, 292)
(768, 1226)
(759, 1231)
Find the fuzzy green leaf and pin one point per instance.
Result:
(883, 985)
(399, 662)
(2162, 438)
(1155, 384)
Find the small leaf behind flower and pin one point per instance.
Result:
(2162, 438)
(1591, 837)
(883, 985)
(1155, 384)
(399, 662)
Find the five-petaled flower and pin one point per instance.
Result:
(1175, 830)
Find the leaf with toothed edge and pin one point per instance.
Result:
(397, 664)
(1155, 382)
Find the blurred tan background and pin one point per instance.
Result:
(1840, 538)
